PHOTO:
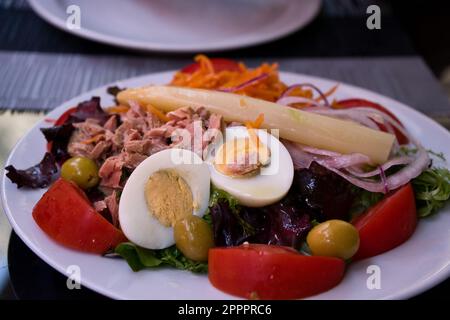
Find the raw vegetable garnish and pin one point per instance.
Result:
(218, 195)
(58, 136)
(432, 190)
(38, 176)
(364, 200)
(432, 186)
(140, 258)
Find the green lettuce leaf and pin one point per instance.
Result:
(432, 190)
(139, 258)
(364, 200)
(220, 195)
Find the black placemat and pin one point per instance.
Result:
(32, 278)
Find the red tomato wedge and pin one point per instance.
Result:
(353, 103)
(388, 224)
(219, 64)
(271, 272)
(63, 118)
(66, 215)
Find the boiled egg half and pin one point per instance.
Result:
(167, 186)
(252, 165)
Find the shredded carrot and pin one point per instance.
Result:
(268, 88)
(94, 139)
(118, 109)
(161, 116)
(254, 139)
(308, 95)
(251, 126)
(331, 91)
(259, 121)
(256, 124)
(204, 62)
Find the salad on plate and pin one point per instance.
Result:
(272, 190)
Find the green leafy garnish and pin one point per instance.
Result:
(409, 151)
(218, 195)
(364, 200)
(432, 190)
(439, 155)
(140, 258)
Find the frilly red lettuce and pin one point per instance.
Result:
(38, 176)
(41, 175)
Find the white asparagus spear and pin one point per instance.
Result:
(299, 126)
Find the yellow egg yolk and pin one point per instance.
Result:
(168, 197)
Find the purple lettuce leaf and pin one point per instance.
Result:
(38, 176)
(282, 223)
(90, 109)
(41, 175)
(322, 193)
(316, 194)
(287, 223)
(59, 136)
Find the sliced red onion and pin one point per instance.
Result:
(336, 164)
(310, 85)
(420, 163)
(300, 158)
(246, 84)
(346, 166)
(320, 152)
(393, 162)
(362, 183)
(392, 182)
(388, 119)
(347, 160)
(366, 116)
(383, 179)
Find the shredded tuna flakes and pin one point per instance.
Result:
(127, 140)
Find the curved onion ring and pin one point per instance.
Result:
(300, 85)
(246, 83)
(343, 166)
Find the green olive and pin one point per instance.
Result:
(333, 238)
(193, 237)
(83, 171)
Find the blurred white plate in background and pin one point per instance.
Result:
(180, 25)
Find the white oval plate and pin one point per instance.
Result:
(179, 25)
(407, 270)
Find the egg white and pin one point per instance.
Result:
(137, 223)
(267, 187)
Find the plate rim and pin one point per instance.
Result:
(40, 9)
(407, 292)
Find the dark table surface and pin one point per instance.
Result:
(338, 33)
